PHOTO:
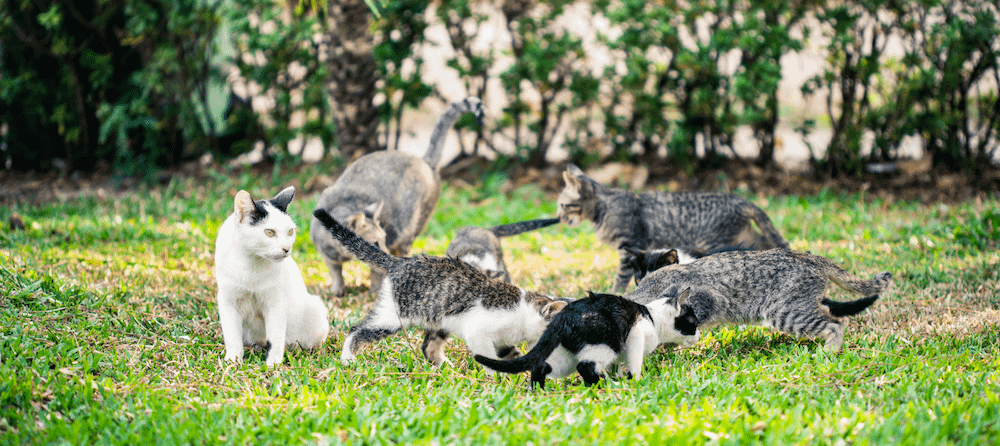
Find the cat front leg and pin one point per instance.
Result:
(625, 271)
(635, 350)
(275, 327)
(232, 326)
(336, 275)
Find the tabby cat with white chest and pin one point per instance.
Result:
(263, 301)
(443, 294)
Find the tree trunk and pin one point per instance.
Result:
(353, 76)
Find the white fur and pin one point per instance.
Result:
(483, 330)
(487, 262)
(262, 296)
(684, 257)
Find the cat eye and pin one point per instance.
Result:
(291, 232)
(269, 232)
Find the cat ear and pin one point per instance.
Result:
(634, 251)
(682, 298)
(356, 221)
(284, 197)
(243, 205)
(575, 171)
(375, 209)
(572, 185)
(552, 308)
(667, 258)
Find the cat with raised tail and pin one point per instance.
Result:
(446, 295)
(652, 220)
(592, 333)
(386, 197)
(263, 301)
(777, 288)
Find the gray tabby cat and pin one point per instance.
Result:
(777, 288)
(650, 220)
(386, 197)
(445, 294)
(592, 333)
(481, 247)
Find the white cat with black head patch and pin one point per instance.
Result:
(263, 301)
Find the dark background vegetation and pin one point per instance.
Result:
(125, 85)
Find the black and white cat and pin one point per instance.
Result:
(592, 333)
(263, 301)
(443, 294)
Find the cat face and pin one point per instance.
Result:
(645, 262)
(264, 227)
(679, 324)
(367, 226)
(576, 200)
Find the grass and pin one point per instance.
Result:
(109, 335)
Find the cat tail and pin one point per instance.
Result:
(444, 122)
(771, 233)
(520, 227)
(539, 353)
(364, 251)
(868, 288)
(853, 284)
(840, 309)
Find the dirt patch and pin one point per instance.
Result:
(933, 185)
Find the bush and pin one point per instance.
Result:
(113, 80)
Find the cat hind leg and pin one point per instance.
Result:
(433, 346)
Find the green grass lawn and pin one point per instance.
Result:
(109, 334)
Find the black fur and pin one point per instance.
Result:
(851, 308)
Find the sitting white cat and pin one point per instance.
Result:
(262, 298)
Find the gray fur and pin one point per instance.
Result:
(481, 247)
(403, 187)
(779, 288)
(651, 220)
(442, 294)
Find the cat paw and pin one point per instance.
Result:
(234, 357)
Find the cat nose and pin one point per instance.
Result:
(286, 250)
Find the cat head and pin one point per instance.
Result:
(645, 262)
(264, 227)
(366, 225)
(577, 200)
(547, 306)
(678, 323)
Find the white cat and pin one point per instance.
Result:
(262, 299)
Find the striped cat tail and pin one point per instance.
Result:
(771, 233)
(364, 251)
(456, 109)
(853, 284)
(521, 227)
